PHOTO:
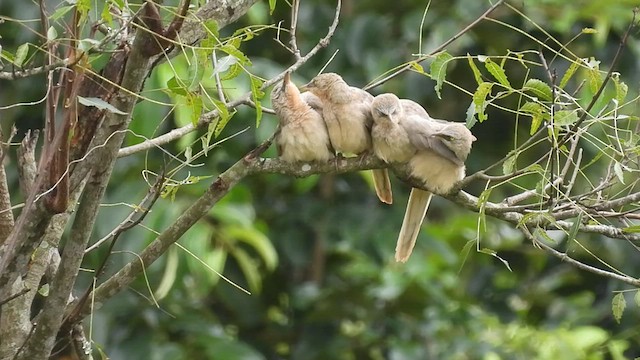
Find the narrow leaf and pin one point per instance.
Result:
(256, 95)
(417, 67)
(480, 99)
(471, 112)
(476, 72)
(632, 229)
(439, 70)
(195, 103)
(100, 104)
(249, 269)
(498, 72)
(272, 6)
(567, 75)
(223, 117)
(573, 232)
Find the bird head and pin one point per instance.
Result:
(283, 90)
(457, 138)
(386, 107)
(323, 83)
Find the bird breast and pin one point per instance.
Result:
(304, 139)
(438, 173)
(391, 143)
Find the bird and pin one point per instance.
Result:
(302, 134)
(435, 151)
(347, 112)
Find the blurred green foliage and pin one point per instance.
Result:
(316, 253)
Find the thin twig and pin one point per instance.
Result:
(436, 50)
(595, 97)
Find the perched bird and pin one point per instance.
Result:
(435, 151)
(303, 133)
(347, 112)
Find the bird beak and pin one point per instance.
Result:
(306, 87)
(287, 78)
(473, 138)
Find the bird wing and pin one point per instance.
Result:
(421, 132)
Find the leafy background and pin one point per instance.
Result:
(317, 253)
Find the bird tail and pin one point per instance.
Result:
(382, 185)
(416, 210)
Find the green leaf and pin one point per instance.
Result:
(621, 88)
(234, 71)
(539, 88)
(570, 71)
(480, 99)
(44, 290)
(573, 232)
(169, 275)
(100, 104)
(482, 202)
(509, 164)
(206, 140)
(105, 15)
(535, 110)
(471, 112)
(258, 241)
(256, 95)
(618, 304)
(417, 67)
(235, 52)
(593, 75)
(272, 6)
(52, 33)
(439, 70)
(21, 54)
(476, 72)
(196, 69)
(194, 101)
(177, 87)
(211, 26)
(565, 117)
(495, 254)
(60, 12)
(617, 169)
(498, 72)
(249, 269)
(223, 117)
(632, 229)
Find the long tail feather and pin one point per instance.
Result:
(416, 210)
(382, 184)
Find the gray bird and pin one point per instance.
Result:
(303, 133)
(347, 112)
(435, 151)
